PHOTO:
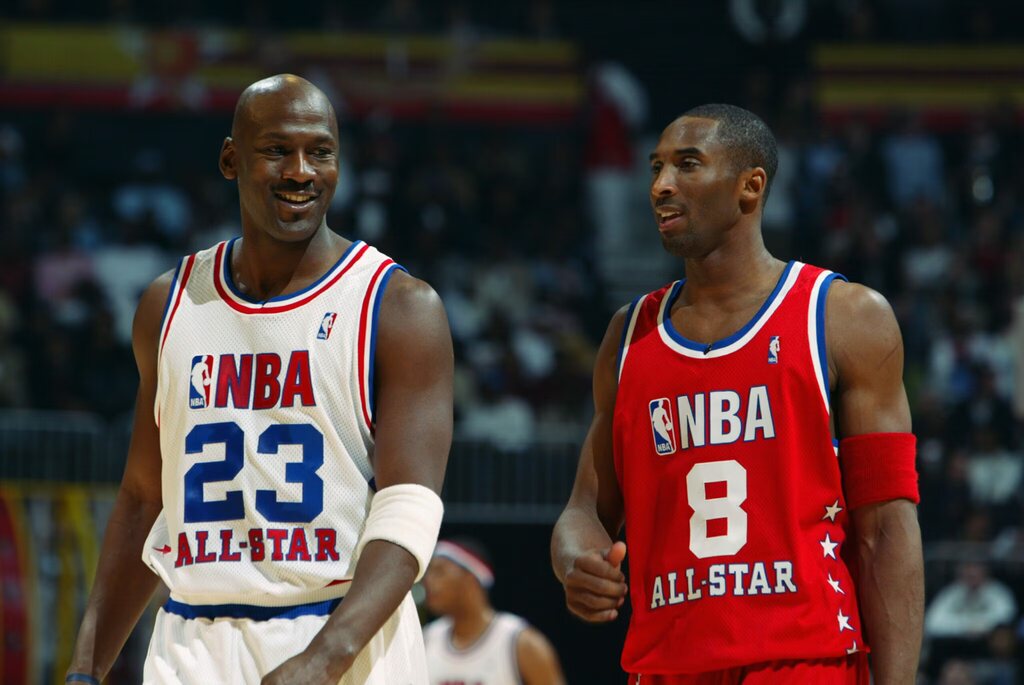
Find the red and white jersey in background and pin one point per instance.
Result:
(735, 516)
(265, 412)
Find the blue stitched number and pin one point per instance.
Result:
(197, 508)
(312, 503)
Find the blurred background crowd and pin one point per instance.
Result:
(900, 134)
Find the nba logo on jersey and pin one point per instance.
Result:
(773, 350)
(663, 426)
(201, 381)
(326, 325)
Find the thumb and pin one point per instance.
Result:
(616, 554)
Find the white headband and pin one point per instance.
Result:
(467, 560)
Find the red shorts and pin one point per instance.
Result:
(850, 670)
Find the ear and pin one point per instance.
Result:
(227, 160)
(754, 182)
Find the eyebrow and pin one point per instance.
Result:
(678, 152)
(276, 135)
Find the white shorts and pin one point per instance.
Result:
(190, 648)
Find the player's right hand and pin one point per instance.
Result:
(594, 586)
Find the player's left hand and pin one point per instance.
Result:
(306, 669)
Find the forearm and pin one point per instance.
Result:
(891, 593)
(123, 588)
(383, 576)
(578, 530)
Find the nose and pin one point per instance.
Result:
(662, 185)
(298, 168)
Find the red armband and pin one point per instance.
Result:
(878, 467)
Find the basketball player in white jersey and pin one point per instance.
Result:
(472, 644)
(289, 500)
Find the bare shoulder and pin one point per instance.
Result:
(410, 304)
(856, 306)
(410, 300)
(538, 661)
(532, 642)
(860, 324)
(149, 314)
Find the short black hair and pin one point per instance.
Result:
(749, 140)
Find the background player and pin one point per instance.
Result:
(738, 534)
(471, 643)
(312, 472)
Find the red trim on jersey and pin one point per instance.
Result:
(364, 326)
(189, 262)
(274, 309)
(338, 582)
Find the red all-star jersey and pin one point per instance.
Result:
(735, 517)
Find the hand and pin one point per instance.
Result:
(595, 587)
(307, 668)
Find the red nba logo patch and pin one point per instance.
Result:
(663, 425)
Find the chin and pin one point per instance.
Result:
(296, 231)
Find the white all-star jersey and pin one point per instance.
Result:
(265, 412)
(491, 660)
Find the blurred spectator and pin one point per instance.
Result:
(957, 672)
(999, 666)
(148, 197)
(13, 388)
(984, 409)
(970, 607)
(914, 164)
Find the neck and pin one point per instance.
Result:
(738, 266)
(469, 623)
(263, 267)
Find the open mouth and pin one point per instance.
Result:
(667, 217)
(296, 201)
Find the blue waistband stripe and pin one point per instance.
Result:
(249, 611)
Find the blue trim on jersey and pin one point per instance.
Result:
(820, 314)
(287, 296)
(373, 483)
(255, 613)
(372, 324)
(170, 293)
(724, 342)
(625, 330)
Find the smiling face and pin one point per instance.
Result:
(696, 189)
(283, 152)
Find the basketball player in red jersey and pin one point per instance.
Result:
(756, 554)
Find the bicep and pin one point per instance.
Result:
(414, 369)
(143, 467)
(866, 351)
(597, 484)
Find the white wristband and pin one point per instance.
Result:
(408, 515)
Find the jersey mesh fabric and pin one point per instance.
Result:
(318, 343)
(735, 518)
(491, 660)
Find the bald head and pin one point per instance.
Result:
(267, 97)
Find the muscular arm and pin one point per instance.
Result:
(582, 538)
(538, 663)
(124, 584)
(413, 436)
(866, 355)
